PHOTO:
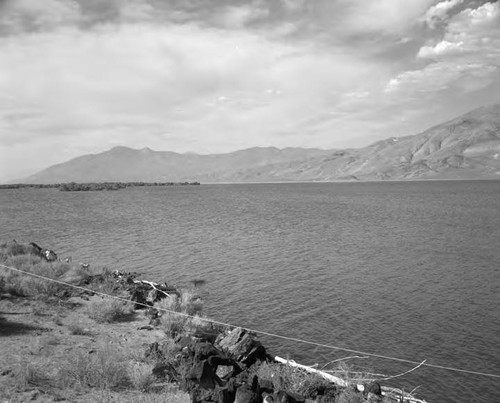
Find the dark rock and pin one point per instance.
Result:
(267, 398)
(245, 394)
(374, 388)
(49, 255)
(266, 386)
(288, 397)
(225, 395)
(165, 370)
(34, 249)
(204, 350)
(208, 378)
(239, 344)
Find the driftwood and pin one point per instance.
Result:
(393, 393)
(153, 285)
(331, 378)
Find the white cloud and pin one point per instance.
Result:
(438, 13)
(443, 48)
(131, 81)
(467, 57)
(240, 16)
(389, 16)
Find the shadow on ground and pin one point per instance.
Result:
(9, 328)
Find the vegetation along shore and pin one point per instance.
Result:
(92, 186)
(72, 332)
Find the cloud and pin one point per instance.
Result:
(438, 13)
(467, 57)
(81, 76)
(240, 16)
(387, 16)
(33, 15)
(138, 75)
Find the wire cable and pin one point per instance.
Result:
(294, 339)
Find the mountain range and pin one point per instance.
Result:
(467, 147)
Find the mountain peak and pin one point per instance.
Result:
(466, 147)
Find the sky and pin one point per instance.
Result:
(214, 76)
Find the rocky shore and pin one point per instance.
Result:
(56, 316)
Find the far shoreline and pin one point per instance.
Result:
(195, 183)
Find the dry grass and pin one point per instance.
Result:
(183, 315)
(24, 285)
(105, 374)
(105, 283)
(296, 380)
(141, 376)
(29, 374)
(105, 369)
(79, 330)
(111, 310)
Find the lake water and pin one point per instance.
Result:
(403, 269)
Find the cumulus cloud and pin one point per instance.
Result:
(389, 16)
(467, 56)
(438, 13)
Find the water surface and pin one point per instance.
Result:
(403, 269)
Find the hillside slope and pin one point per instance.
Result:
(467, 147)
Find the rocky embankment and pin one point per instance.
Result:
(208, 362)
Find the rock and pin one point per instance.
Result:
(205, 375)
(34, 249)
(374, 388)
(266, 386)
(267, 398)
(49, 255)
(239, 344)
(288, 397)
(165, 370)
(203, 350)
(225, 395)
(245, 394)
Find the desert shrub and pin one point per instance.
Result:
(190, 303)
(104, 283)
(141, 376)
(181, 313)
(79, 330)
(13, 248)
(25, 285)
(106, 368)
(109, 311)
(33, 374)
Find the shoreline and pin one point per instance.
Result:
(195, 183)
(175, 328)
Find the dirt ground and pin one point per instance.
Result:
(40, 335)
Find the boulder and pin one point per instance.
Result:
(246, 394)
(288, 397)
(374, 388)
(240, 344)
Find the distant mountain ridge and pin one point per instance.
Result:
(467, 147)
